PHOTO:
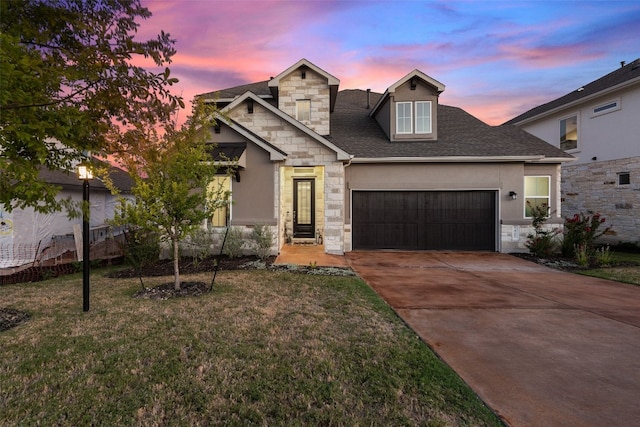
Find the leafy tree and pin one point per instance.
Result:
(172, 174)
(68, 85)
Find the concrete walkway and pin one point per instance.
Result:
(307, 254)
(541, 347)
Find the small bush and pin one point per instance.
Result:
(603, 256)
(543, 242)
(199, 245)
(581, 230)
(234, 243)
(142, 247)
(582, 255)
(262, 240)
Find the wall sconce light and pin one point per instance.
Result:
(513, 195)
(250, 106)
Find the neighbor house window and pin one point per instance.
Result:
(569, 133)
(403, 117)
(303, 110)
(624, 178)
(220, 194)
(536, 193)
(607, 107)
(423, 117)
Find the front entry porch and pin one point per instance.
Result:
(309, 254)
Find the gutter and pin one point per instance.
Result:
(460, 159)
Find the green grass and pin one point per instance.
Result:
(629, 272)
(264, 348)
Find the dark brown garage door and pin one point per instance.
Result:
(424, 220)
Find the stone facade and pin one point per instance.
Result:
(303, 151)
(314, 88)
(593, 188)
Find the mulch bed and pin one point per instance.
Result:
(10, 318)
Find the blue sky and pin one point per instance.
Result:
(496, 58)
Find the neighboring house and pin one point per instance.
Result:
(28, 237)
(599, 124)
(362, 170)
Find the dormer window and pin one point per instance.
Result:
(403, 117)
(423, 116)
(405, 114)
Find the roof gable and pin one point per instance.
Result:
(332, 81)
(341, 154)
(439, 87)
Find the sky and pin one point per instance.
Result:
(496, 58)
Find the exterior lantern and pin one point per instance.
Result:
(85, 173)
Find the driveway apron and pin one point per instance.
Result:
(541, 347)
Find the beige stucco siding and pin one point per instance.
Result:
(501, 177)
(253, 197)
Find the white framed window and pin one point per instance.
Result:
(303, 110)
(607, 107)
(537, 190)
(220, 192)
(423, 116)
(569, 132)
(403, 117)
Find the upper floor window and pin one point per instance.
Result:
(605, 108)
(569, 133)
(404, 117)
(423, 117)
(536, 193)
(303, 110)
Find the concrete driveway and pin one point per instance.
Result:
(541, 347)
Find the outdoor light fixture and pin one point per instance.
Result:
(513, 195)
(85, 173)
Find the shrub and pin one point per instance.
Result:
(199, 245)
(142, 247)
(581, 230)
(234, 243)
(262, 240)
(603, 256)
(542, 242)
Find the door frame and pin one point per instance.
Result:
(304, 231)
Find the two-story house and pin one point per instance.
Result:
(362, 170)
(599, 124)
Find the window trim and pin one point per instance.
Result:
(619, 175)
(560, 120)
(430, 116)
(526, 196)
(398, 104)
(298, 103)
(228, 214)
(606, 107)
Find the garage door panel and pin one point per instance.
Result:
(424, 220)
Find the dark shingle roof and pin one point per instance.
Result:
(259, 88)
(68, 179)
(621, 75)
(459, 134)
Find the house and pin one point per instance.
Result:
(359, 170)
(28, 237)
(599, 124)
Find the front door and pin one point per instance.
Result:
(303, 208)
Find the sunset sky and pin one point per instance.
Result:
(496, 58)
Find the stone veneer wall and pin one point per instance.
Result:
(314, 87)
(593, 188)
(303, 151)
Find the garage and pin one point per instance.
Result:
(424, 220)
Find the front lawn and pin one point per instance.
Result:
(625, 268)
(264, 348)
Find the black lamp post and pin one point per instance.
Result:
(85, 174)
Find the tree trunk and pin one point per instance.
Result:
(176, 264)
